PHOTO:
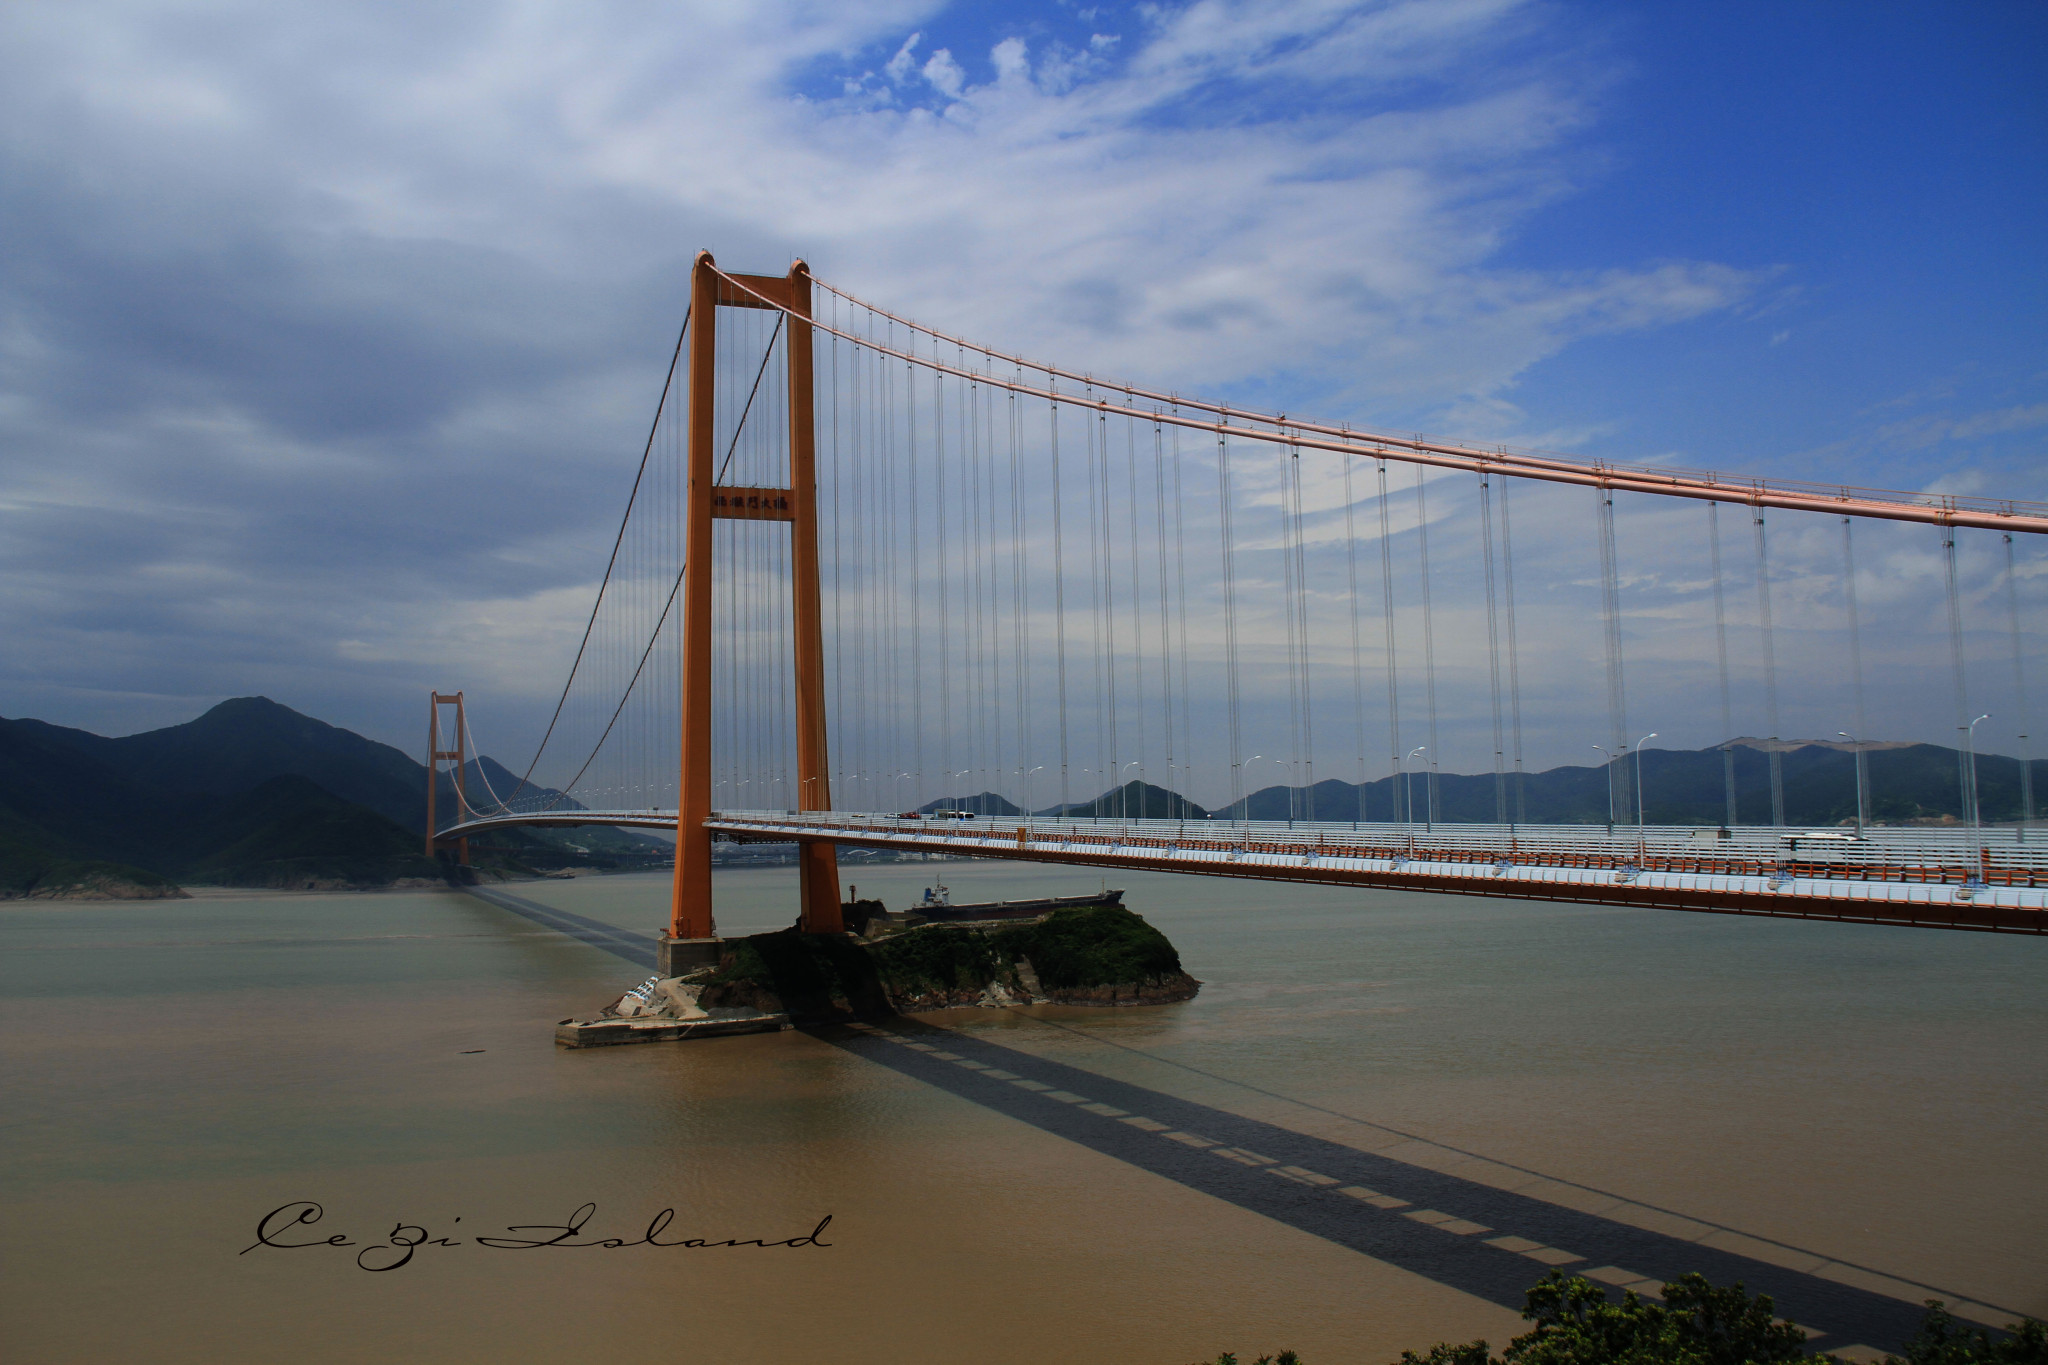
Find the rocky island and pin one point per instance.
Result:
(1097, 955)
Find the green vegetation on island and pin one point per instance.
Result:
(1694, 1322)
(1102, 954)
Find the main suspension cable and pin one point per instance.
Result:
(1704, 485)
(660, 406)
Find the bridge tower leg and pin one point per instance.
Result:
(818, 862)
(690, 905)
(691, 928)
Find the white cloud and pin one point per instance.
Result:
(945, 74)
(375, 262)
(903, 63)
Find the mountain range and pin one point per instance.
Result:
(251, 793)
(1909, 783)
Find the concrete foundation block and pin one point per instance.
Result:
(681, 956)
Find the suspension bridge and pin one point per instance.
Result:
(1104, 597)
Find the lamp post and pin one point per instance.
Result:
(1641, 847)
(1244, 812)
(1126, 794)
(1970, 744)
(1862, 782)
(1608, 768)
(1027, 789)
(1408, 793)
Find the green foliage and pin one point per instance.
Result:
(1700, 1324)
(33, 863)
(939, 958)
(1940, 1341)
(1443, 1353)
(816, 976)
(1697, 1324)
(831, 975)
(292, 818)
(1097, 945)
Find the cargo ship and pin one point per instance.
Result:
(938, 907)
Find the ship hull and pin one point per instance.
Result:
(1025, 909)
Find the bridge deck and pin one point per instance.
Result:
(1964, 879)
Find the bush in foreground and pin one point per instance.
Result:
(1696, 1324)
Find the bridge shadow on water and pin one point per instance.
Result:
(1485, 1241)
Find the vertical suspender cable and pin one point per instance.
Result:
(1059, 594)
(1165, 600)
(945, 604)
(1507, 564)
(863, 600)
(1855, 660)
(976, 541)
(888, 649)
(1237, 804)
(1397, 789)
(1770, 642)
(2019, 690)
(898, 490)
(912, 495)
(1308, 700)
(1428, 644)
(1500, 781)
(834, 656)
(1290, 525)
(1180, 593)
(1020, 613)
(1137, 614)
(1100, 605)
(1610, 621)
(1721, 653)
(1357, 649)
(1962, 691)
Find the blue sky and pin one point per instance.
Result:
(328, 336)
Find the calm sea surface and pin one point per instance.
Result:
(174, 1071)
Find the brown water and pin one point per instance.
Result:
(176, 1070)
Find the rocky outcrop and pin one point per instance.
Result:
(1102, 955)
(1167, 990)
(97, 882)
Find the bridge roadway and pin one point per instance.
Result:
(1950, 879)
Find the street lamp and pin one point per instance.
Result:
(1970, 744)
(1862, 782)
(1408, 791)
(1608, 768)
(1244, 812)
(1640, 847)
(1125, 795)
